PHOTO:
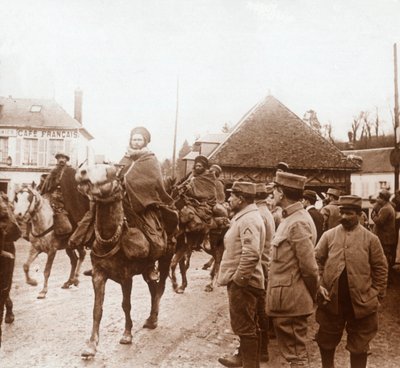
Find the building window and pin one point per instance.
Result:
(55, 145)
(3, 150)
(30, 152)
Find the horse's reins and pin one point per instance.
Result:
(33, 211)
(117, 235)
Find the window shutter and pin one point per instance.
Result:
(18, 152)
(42, 153)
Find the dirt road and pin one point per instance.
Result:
(193, 328)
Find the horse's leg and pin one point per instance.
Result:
(33, 253)
(81, 257)
(74, 261)
(99, 286)
(9, 311)
(157, 290)
(2, 302)
(175, 260)
(46, 273)
(184, 265)
(208, 264)
(126, 306)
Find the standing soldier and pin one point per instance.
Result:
(353, 272)
(384, 218)
(331, 211)
(309, 199)
(293, 274)
(241, 270)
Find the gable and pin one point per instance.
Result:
(271, 133)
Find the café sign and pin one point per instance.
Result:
(47, 133)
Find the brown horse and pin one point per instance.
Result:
(109, 253)
(9, 232)
(207, 238)
(30, 203)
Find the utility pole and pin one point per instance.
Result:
(176, 129)
(396, 121)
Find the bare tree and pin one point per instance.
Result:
(356, 124)
(310, 117)
(326, 132)
(226, 128)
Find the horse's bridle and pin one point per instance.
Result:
(115, 195)
(36, 203)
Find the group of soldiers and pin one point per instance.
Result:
(282, 255)
(282, 259)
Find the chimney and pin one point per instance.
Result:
(78, 105)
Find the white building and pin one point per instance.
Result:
(32, 131)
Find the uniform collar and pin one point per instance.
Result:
(251, 207)
(292, 209)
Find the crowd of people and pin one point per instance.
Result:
(283, 257)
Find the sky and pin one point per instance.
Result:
(127, 56)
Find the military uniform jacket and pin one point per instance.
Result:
(361, 253)
(269, 224)
(293, 273)
(244, 242)
(331, 215)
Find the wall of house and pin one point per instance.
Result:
(366, 184)
(26, 153)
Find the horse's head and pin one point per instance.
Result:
(25, 202)
(98, 181)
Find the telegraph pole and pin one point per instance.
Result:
(396, 122)
(176, 129)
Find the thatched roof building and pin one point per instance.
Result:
(270, 133)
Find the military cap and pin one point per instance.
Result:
(202, 159)
(142, 131)
(335, 192)
(217, 168)
(261, 188)
(283, 166)
(243, 187)
(290, 180)
(384, 194)
(350, 201)
(310, 194)
(61, 154)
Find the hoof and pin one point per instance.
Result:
(126, 340)
(89, 351)
(180, 290)
(76, 282)
(208, 288)
(150, 324)
(42, 295)
(9, 318)
(66, 285)
(32, 282)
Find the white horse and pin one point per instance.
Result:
(30, 204)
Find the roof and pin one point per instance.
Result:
(191, 155)
(270, 133)
(374, 160)
(212, 138)
(37, 113)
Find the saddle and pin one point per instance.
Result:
(134, 244)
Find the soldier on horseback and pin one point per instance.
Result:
(68, 204)
(145, 201)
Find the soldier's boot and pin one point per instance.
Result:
(327, 358)
(264, 356)
(249, 347)
(358, 360)
(234, 360)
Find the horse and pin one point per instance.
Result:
(207, 237)
(109, 252)
(29, 203)
(9, 232)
